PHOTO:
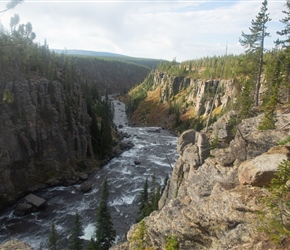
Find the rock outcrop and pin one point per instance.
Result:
(44, 134)
(200, 91)
(15, 245)
(177, 100)
(212, 199)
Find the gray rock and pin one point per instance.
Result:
(260, 170)
(22, 209)
(83, 176)
(35, 200)
(86, 186)
(15, 245)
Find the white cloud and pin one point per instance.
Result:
(155, 29)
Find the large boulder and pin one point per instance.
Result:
(15, 245)
(249, 142)
(35, 200)
(260, 170)
(22, 209)
(86, 186)
(193, 148)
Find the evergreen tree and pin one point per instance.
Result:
(254, 42)
(93, 245)
(246, 100)
(106, 137)
(285, 42)
(53, 238)
(95, 134)
(144, 195)
(75, 243)
(157, 197)
(271, 97)
(276, 221)
(105, 234)
(149, 200)
(143, 202)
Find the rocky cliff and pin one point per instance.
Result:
(212, 199)
(44, 135)
(176, 101)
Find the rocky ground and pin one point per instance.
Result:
(213, 197)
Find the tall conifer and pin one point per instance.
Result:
(75, 243)
(105, 234)
(254, 43)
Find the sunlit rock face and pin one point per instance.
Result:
(43, 134)
(15, 245)
(205, 204)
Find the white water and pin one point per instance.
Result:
(155, 151)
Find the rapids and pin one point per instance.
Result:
(154, 148)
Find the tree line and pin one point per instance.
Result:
(21, 58)
(257, 66)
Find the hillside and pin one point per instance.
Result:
(233, 168)
(54, 124)
(146, 62)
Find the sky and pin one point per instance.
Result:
(160, 29)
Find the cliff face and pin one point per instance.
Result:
(181, 99)
(213, 196)
(43, 135)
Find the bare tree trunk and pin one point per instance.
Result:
(258, 83)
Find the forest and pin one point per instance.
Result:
(248, 71)
(257, 68)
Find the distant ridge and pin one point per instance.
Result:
(145, 62)
(88, 53)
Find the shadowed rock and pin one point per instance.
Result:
(86, 186)
(35, 200)
(22, 209)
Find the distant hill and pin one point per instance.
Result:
(147, 62)
(88, 53)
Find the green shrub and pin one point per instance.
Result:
(171, 243)
(275, 220)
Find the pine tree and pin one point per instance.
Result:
(95, 135)
(105, 234)
(93, 245)
(246, 100)
(143, 201)
(254, 43)
(276, 221)
(75, 243)
(270, 99)
(286, 31)
(285, 42)
(53, 238)
(144, 195)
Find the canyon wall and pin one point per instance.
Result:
(213, 198)
(44, 135)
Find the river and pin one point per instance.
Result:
(154, 148)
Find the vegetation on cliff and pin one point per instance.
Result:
(178, 90)
(55, 117)
(215, 208)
